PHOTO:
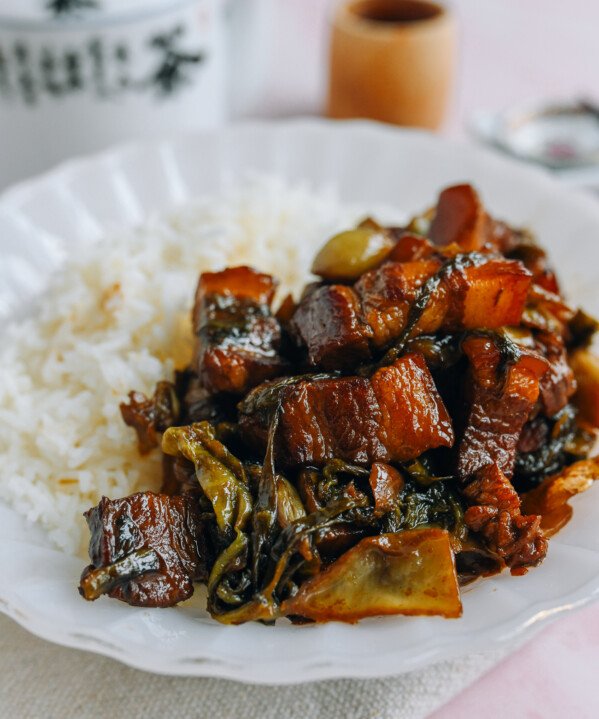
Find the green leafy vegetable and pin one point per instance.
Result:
(101, 580)
(221, 476)
(223, 480)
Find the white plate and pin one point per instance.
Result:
(369, 164)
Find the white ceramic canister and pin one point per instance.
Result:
(79, 75)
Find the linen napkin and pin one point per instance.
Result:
(39, 680)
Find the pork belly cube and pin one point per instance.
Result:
(500, 400)
(413, 416)
(410, 248)
(242, 283)
(328, 323)
(586, 369)
(236, 368)
(342, 326)
(488, 296)
(558, 383)
(459, 219)
(388, 293)
(146, 549)
(495, 513)
(394, 416)
(238, 337)
(337, 418)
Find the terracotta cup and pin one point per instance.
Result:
(392, 60)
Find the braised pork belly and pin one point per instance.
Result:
(417, 419)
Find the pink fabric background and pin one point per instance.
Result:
(552, 677)
(510, 51)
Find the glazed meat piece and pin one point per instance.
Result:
(387, 484)
(199, 404)
(547, 312)
(386, 296)
(459, 219)
(465, 292)
(394, 416)
(340, 326)
(558, 383)
(243, 283)
(184, 402)
(146, 549)
(517, 244)
(329, 322)
(586, 367)
(501, 388)
(238, 338)
(149, 417)
(409, 248)
(178, 476)
(495, 514)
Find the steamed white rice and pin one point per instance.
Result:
(116, 319)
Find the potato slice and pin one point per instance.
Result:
(586, 370)
(410, 572)
(550, 498)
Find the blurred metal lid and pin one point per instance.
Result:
(557, 135)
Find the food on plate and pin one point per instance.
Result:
(115, 317)
(238, 339)
(418, 417)
(586, 367)
(134, 562)
(394, 415)
(409, 572)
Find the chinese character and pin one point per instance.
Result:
(73, 71)
(5, 86)
(98, 71)
(121, 54)
(25, 73)
(48, 68)
(173, 70)
(68, 7)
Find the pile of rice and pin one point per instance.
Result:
(116, 318)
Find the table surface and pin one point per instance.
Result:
(510, 52)
(551, 677)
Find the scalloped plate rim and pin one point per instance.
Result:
(495, 637)
(328, 665)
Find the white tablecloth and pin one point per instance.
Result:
(42, 681)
